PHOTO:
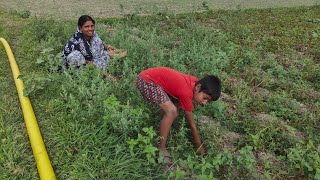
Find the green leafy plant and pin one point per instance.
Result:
(49, 61)
(123, 118)
(305, 158)
(34, 84)
(144, 144)
(246, 159)
(24, 14)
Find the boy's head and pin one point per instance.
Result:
(207, 89)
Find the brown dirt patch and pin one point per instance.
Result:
(290, 132)
(221, 135)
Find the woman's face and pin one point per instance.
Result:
(87, 29)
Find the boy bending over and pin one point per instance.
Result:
(160, 85)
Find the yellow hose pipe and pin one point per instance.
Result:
(39, 150)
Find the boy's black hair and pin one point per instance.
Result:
(210, 85)
(84, 18)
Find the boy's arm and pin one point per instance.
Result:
(194, 132)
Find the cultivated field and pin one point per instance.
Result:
(264, 126)
(111, 8)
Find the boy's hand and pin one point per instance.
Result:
(201, 151)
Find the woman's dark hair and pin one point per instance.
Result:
(210, 85)
(83, 19)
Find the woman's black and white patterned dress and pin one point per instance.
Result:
(78, 50)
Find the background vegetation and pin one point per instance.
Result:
(72, 9)
(266, 124)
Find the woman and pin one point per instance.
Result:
(85, 46)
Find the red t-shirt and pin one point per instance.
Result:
(174, 83)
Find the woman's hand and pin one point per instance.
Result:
(88, 62)
(109, 48)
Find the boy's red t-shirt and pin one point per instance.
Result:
(175, 83)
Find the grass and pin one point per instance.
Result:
(265, 125)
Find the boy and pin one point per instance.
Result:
(158, 85)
